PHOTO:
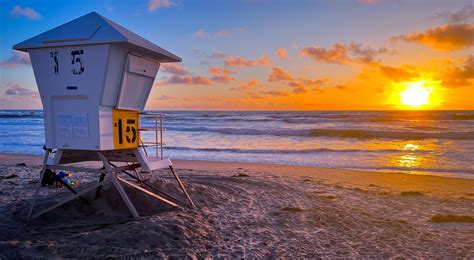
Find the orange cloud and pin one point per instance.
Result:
(246, 85)
(218, 71)
(255, 95)
(221, 75)
(397, 74)
(165, 97)
(462, 76)
(187, 80)
(340, 53)
(303, 83)
(299, 90)
(222, 79)
(174, 69)
(183, 76)
(447, 37)
(276, 93)
(279, 74)
(299, 85)
(282, 53)
(243, 62)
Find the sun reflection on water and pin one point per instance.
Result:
(411, 147)
(410, 159)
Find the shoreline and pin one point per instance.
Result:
(440, 186)
(444, 174)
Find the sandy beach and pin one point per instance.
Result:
(245, 210)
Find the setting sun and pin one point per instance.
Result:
(416, 94)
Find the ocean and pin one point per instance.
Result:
(410, 142)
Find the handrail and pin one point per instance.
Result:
(157, 129)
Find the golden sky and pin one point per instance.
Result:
(280, 55)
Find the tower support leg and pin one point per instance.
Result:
(118, 186)
(182, 186)
(43, 169)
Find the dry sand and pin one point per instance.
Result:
(245, 210)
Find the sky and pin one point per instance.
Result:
(274, 55)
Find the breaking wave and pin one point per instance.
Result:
(282, 151)
(335, 133)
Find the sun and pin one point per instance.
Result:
(416, 94)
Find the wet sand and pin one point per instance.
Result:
(245, 210)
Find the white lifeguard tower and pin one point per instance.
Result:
(94, 78)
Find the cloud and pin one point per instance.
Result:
(279, 74)
(174, 69)
(299, 84)
(276, 93)
(221, 75)
(299, 90)
(206, 57)
(367, 2)
(180, 75)
(17, 59)
(154, 5)
(397, 74)
(255, 95)
(206, 99)
(217, 55)
(462, 76)
(219, 71)
(246, 85)
(340, 87)
(223, 34)
(463, 15)
(282, 53)
(202, 33)
(17, 89)
(340, 53)
(222, 79)
(26, 11)
(187, 80)
(165, 97)
(447, 37)
(243, 62)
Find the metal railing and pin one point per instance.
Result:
(157, 129)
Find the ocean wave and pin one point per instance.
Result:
(334, 133)
(11, 116)
(21, 114)
(283, 151)
(460, 116)
(403, 135)
(428, 128)
(425, 170)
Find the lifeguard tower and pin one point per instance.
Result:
(94, 78)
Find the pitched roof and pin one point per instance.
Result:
(93, 28)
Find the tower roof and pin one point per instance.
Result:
(93, 28)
